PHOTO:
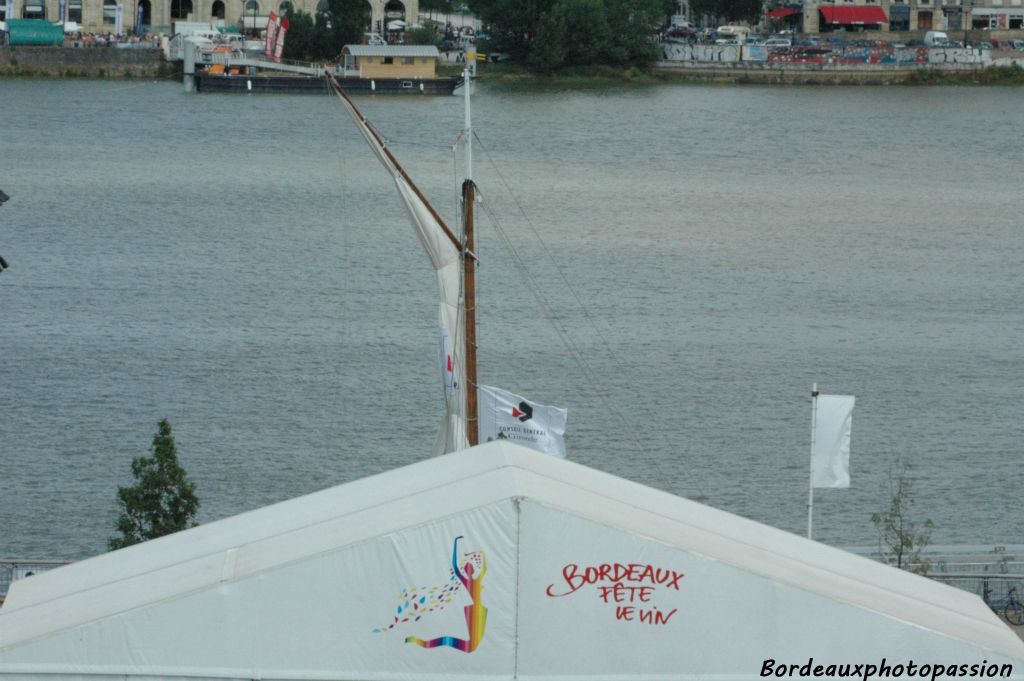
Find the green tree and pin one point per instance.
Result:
(901, 539)
(162, 500)
(513, 24)
(633, 24)
(342, 22)
(303, 41)
(728, 10)
(551, 34)
(548, 50)
(423, 35)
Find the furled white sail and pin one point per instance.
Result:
(445, 257)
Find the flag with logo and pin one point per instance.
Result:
(119, 19)
(830, 458)
(138, 19)
(504, 415)
(270, 36)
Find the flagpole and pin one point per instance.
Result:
(810, 485)
(469, 276)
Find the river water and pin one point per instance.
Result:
(240, 266)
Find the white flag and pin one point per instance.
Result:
(830, 460)
(9, 10)
(119, 19)
(504, 415)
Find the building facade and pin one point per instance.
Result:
(159, 16)
(895, 15)
(913, 15)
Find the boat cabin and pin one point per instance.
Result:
(391, 61)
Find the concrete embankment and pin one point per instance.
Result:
(810, 74)
(91, 62)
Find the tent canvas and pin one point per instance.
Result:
(492, 563)
(34, 32)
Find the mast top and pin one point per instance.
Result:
(467, 83)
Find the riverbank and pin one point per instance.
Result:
(77, 62)
(513, 77)
(839, 74)
(104, 63)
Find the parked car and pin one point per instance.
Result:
(777, 42)
(1017, 45)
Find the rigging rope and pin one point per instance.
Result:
(563, 334)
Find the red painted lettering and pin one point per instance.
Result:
(674, 583)
(662, 617)
(624, 613)
(572, 578)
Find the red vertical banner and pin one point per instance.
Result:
(268, 46)
(279, 49)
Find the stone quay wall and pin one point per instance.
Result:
(801, 74)
(80, 62)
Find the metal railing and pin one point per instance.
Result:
(12, 569)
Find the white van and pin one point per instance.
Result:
(732, 35)
(936, 39)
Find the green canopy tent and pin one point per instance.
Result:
(33, 32)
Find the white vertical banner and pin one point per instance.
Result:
(279, 39)
(508, 416)
(271, 36)
(9, 10)
(830, 455)
(119, 19)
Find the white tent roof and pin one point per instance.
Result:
(330, 586)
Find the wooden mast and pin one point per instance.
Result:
(469, 276)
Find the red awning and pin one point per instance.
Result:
(854, 14)
(781, 12)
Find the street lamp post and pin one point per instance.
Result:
(966, 20)
(254, 32)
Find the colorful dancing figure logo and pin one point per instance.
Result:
(414, 603)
